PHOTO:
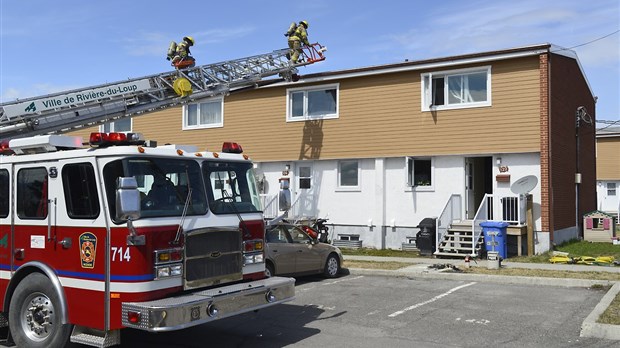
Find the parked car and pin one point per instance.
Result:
(291, 251)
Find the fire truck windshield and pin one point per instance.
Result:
(164, 185)
(231, 187)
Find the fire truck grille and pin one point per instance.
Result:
(213, 256)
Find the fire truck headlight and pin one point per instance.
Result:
(172, 270)
(176, 270)
(163, 272)
(249, 259)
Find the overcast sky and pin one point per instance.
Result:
(50, 46)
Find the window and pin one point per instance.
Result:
(420, 172)
(305, 177)
(348, 174)
(312, 103)
(80, 188)
(32, 193)
(456, 89)
(208, 114)
(231, 187)
(611, 188)
(4, 199)
(122, 125)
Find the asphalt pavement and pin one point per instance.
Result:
(445, 269)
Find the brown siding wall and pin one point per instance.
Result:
(379, 116)
(569, 91)
(608, 158)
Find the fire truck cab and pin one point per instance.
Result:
(127, 234)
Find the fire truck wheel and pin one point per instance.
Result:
(332, 266)
(34, 317)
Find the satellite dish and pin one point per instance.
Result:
(524, 185)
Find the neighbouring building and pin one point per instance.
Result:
(608, 170)
(378, 149)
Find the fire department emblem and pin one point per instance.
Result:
(88, 249)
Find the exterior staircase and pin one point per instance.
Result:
(458, 240)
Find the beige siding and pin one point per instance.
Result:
(379, 116)
(608, 158)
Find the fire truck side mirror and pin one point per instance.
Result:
(127, 199)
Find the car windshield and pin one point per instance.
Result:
(231, 187)
(164, 185)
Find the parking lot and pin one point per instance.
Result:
(376, 311)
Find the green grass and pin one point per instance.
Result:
(612, 313)
(379, 252)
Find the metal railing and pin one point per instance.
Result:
(452, 211)
(270, 206)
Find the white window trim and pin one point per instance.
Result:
(356, 188)
(203, 126)
(289, 118)
(102, 129)
(426, 93)
(409, 187)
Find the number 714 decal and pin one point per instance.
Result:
(121, 254)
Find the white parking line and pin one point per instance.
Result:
(431, 300)
(342, 280)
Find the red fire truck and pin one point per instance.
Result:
(122, 233)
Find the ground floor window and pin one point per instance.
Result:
(420, 173)
(348, 174)
(611, 188)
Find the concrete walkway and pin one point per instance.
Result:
(420, 268)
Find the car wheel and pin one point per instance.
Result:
(332, 266)
(269, 272)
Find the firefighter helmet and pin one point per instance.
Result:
(305, 23)
(189, 39)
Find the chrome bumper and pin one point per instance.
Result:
(203, 306)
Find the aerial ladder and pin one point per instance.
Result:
(69, 110)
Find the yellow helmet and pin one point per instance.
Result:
(305, 23)
(189, 39)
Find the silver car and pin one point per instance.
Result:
(291, 251)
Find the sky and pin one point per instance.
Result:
(54, 46)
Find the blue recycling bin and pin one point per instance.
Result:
(495, 237)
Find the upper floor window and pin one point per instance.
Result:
(208, 114)
(311, 103)
(122, 125)
(456, 89)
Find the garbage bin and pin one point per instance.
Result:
(495, 237)
(425, 238)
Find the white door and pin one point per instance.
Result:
(470, 205)
(304, 204)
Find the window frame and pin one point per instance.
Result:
(112, 126)
(427, 91)
(339, 185)
(612, 189)
(220, 124)
(410, 174)
(306, 90)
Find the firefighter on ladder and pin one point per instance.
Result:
(180, 54)
(297, 35)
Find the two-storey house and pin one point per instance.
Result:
(378, 149)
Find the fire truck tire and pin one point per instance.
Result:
(332, 266)
(34, 317)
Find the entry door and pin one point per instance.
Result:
(470, 207)
(304, 190)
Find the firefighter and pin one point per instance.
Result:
(180, 52)
(297, 35)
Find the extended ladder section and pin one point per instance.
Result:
(65, 111)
